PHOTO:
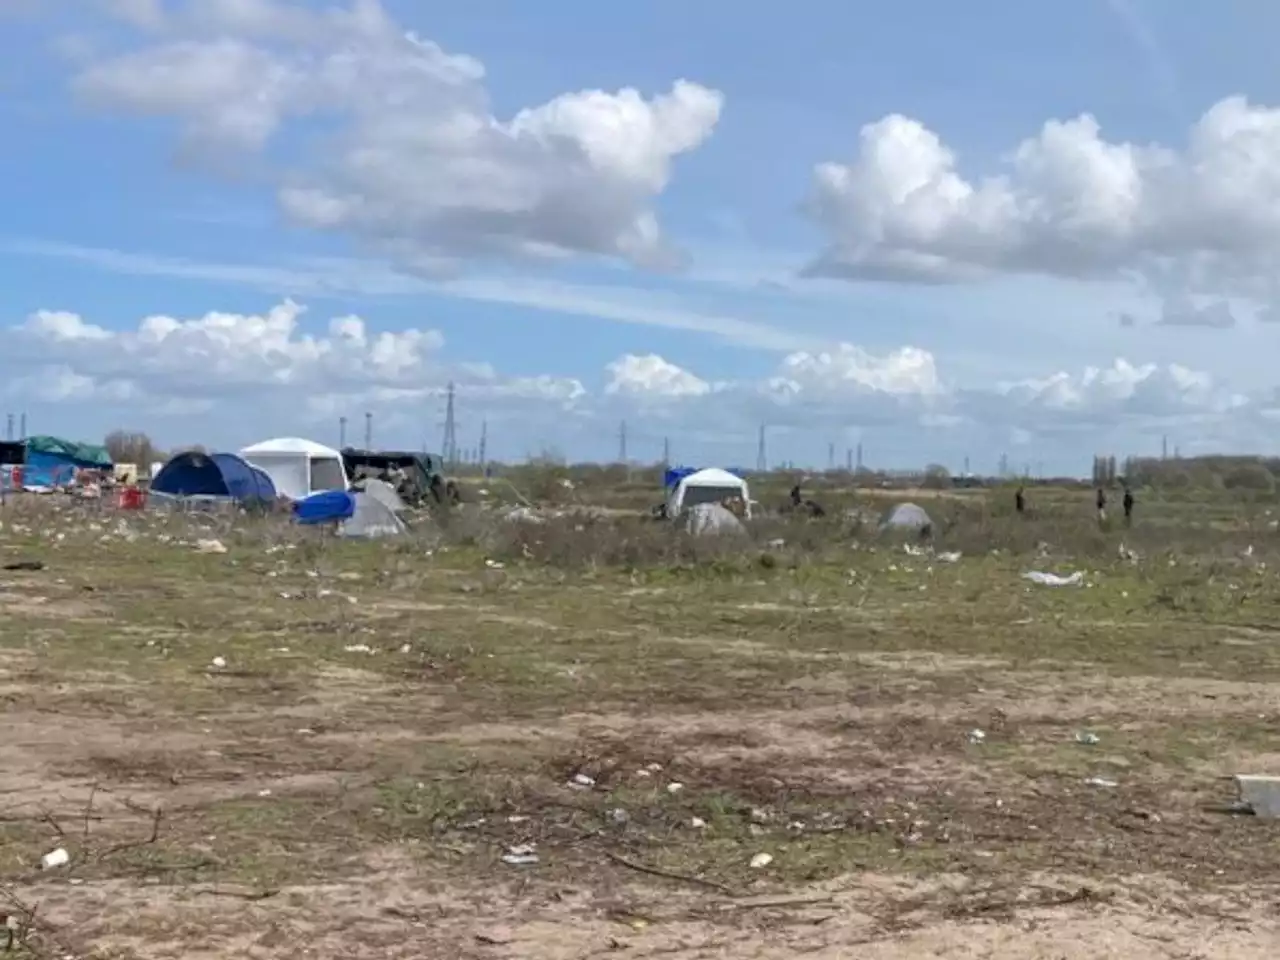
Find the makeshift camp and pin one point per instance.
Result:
(298, 467)
(53, 462)
(907, 518)
(371, 519)
(215, 476)
(328, 506)
(711, 485)
(711, 519)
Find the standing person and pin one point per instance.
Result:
(1102, 505)
(1020, 500)
(1128, 505)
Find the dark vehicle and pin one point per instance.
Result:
(416, 476)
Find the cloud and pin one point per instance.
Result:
(246, 368)
(1184, 313)
(407, 152)
(652, 377)
(226, 378)
(1204, 220)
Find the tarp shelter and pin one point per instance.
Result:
(907, 517)
(372, 519)
(53, 462)
(213, 475)
(328, 506)
(298, 467)
(711, 485)
(711, 519)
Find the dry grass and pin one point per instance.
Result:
(343, 740)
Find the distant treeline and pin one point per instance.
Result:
(1219, 472)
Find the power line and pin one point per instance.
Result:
(762, 461)
(483, 453)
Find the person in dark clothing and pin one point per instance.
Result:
(1020, 500)
(1128, 505)
(1102, 505)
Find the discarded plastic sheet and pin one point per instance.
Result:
(55, 858)
(1088, 739)
(761, 860)
(1261, 794)
(977, 736)
(1101, 782)
(1053, 579)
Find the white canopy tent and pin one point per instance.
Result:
(298, 467)
(711, 485)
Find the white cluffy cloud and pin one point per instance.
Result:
(246, 366)
(409, 153)
(224, 378)
(1202, 220)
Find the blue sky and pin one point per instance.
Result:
(965, 306)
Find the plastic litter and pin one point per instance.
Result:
(1101, 782)
(761, 860)
(581, 780)
(1053, 579)
(55, 858)
(520, 856)
(977, 736)
(1088, 739)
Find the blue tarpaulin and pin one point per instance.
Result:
(328, 506)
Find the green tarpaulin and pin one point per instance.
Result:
(82, 454)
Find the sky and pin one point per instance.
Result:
(947, 233)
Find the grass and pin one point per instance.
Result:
(311, 714)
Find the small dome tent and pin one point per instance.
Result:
(907, 518)
(713, 520)
(214, 476)
(298, 467)
(711, 485)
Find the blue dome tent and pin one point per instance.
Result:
(213, 475)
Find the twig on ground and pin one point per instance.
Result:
(156, 817)
(250, 895)
(52, 821)
(670, 875)
(88, 809)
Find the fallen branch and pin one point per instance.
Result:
(670, 875)
(88, 809)
(251, 896)
(156, 817)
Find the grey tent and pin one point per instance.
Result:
(372, 518)
(907, 518)
(381, 490)
(712, 519)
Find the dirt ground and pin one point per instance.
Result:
(296, 749)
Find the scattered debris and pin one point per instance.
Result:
(581, 780)
(1261, 794)
(520, 856)
(977, 736)
(675, 787)
(55, 858)
(218, 662)
(1101, 782)
(210, 546)
(761, 860)
(1088, 739)
(1053, 579)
